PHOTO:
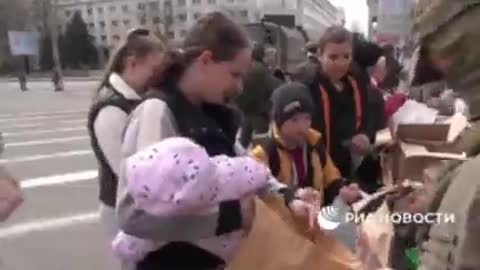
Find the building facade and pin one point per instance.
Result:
(315, 16)
(109, 20)
(391, 21)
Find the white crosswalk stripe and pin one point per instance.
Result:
(49, 151)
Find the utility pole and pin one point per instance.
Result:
(53, 29)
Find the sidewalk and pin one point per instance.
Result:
(69, 75)
(48, 79)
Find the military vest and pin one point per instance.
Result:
(455, 244)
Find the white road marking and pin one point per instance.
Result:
(48, 141)
(59, 179)
(53, 112)
(38, 114)
(49, 156)
(76, 121)
(21, 229)
(44, 131)
(35, 118)
(28, 125)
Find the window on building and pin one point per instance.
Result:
(102, 24)
(100, 10)
(125, 8)
(126, 22)
(153, 5)
(230, 1)
(116, 37)
(143, 21)
(181, 3)
(89, 11)
(68, 13)
(167, 3)
(243, 13)
(212, 2)
(183, 33)
(196, 15)
(171, 35)
(115, 23)
(156, 20)
(196, 2)
(104, 38)
(182, 17)
(112, 8)
(91, 25)
(141, 6)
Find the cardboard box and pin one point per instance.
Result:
(410, 161)
(420, 146)
(442, 132)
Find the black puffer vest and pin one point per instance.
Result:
(213, 127)
(108, 180)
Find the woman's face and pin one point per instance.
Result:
(223, 81)
(336, 59)
(145, 70)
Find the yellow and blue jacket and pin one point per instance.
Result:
(321, 172)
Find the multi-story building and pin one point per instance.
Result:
(391, 21)
(109, 20)
(341, 16)
(313, 15)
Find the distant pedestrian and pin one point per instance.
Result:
(22, 79)
(254, 102)
(57, 84)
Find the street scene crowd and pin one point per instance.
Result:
(211, 156)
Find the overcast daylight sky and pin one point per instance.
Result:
(356, 13)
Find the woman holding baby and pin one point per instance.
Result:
(203, 77)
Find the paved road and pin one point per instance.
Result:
(47, 147)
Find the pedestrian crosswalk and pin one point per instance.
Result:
(50, 152)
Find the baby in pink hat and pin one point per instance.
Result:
(177, 177)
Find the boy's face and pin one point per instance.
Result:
(336, 59)
(295, 129)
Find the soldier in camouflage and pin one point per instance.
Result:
(449, 38)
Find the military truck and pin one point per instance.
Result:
(289, 42)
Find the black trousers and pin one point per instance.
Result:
(181, 256)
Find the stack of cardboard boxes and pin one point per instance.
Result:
(420, 147)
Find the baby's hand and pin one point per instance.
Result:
(131, 248)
